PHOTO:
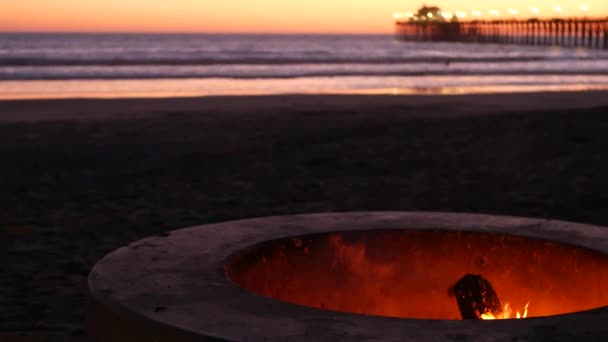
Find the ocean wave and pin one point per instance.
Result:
(74, 57)
(272, 60)
(16, 76)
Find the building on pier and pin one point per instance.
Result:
(433, 24)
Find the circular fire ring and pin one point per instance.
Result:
(230, 281)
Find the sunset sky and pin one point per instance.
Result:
(273, 16)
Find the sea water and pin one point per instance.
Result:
(158, 65)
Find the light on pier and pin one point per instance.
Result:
(433, 24)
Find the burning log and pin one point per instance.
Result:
(476, 298)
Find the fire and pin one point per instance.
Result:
(413, 274)
(507, 313)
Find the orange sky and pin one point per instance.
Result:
(286, 16)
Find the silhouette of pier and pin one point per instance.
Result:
(584, 33)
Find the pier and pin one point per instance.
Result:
(571, 33)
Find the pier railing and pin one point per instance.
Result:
(541, 32)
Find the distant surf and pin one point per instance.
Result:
(313, 62)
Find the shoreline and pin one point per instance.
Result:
(427, 85)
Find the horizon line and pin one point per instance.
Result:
(194, 32)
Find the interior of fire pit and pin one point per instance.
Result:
(408, 273)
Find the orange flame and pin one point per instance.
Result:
(507, 313)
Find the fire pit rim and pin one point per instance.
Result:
(200, 300)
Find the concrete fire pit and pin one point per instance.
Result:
(352, 277)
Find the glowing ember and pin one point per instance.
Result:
(477, 299)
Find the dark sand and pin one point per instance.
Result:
(81, 178)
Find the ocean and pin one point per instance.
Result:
(159, 65)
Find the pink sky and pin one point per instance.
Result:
(285, 16)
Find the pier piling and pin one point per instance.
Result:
(586, 33)
(605, 25)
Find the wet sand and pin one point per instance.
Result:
(81, 178)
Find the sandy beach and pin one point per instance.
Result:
(81, 178)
